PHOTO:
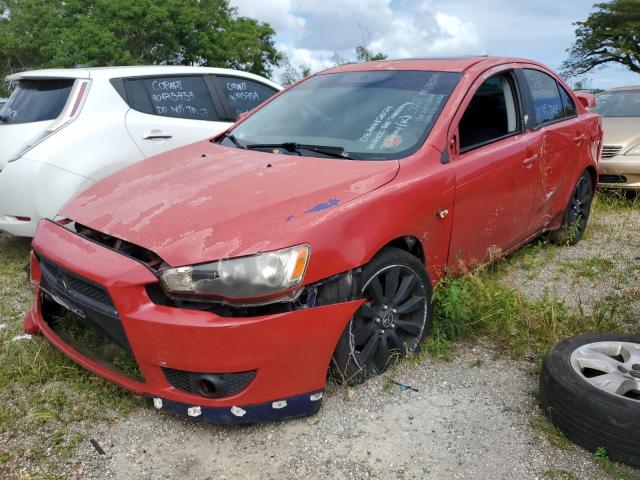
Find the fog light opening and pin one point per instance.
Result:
(207, 387)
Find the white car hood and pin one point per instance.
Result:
(14, 136)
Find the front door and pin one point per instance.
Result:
(496, 174)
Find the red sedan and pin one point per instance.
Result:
(224, 279)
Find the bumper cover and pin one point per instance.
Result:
(290, 352)
(627, 167)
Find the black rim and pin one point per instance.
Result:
(580, 205)
(390, 323)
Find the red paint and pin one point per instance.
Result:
(204, 202)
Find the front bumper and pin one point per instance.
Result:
(290, 352)
(620, 171)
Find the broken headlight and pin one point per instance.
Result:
(249, 280)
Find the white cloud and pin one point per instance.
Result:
(310, 32)
(277, 13)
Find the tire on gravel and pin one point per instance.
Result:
(589, 416)
(345, 365)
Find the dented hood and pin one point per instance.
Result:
(204, 202)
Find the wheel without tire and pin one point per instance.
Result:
(394, 320)
(576, 215)
(590, 388)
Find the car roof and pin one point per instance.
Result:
(620, 89)
(132, 71)
(437, 64)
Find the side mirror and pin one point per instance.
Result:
(586, 99)
(242, 116)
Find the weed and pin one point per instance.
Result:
(543, 426)
(560, 474)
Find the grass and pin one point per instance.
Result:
(47, 402)
(480, 305)
(615, 471)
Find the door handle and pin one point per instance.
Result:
(529, 160)
(580, 138)
(157, 135)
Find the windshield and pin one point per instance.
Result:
(622, 103)
(370, 115)
(36, 101)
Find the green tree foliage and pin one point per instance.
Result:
(611, 34)
(363, 54)
(67, 33)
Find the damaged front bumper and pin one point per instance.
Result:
(195, 363)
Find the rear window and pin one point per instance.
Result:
(36, 101)
(178, 97)
(242, 95)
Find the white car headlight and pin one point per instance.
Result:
(247, 280)
(633, 150)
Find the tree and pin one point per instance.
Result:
(363, 54)
(291, 74)
(67, 33)
(611, 34)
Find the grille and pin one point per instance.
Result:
(612, 179)
(79, 288)
(609, 151)
(225, 383)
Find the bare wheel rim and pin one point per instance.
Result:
(611, 366)
(391, 321)
(580, 205)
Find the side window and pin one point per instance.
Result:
(567, 102)
(178, 97)
(242, 95)
(545, 96)
(491, 114)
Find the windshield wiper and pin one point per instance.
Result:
(330, 151)
(234, 140)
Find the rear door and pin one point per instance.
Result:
(495, 174)
(168, 112)
(565, 139)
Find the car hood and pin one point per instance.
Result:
(204, 202)
(623, 131)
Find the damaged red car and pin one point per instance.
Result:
(226, 278)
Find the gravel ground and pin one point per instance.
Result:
(469, 419)
(606, 262)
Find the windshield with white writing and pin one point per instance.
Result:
(370, 115)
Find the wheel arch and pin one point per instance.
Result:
(409, 244)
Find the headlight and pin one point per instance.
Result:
(633, 150)
(248, 280)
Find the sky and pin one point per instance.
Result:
(311, 32)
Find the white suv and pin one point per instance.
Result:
(61, 130)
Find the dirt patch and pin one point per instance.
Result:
(469, 419)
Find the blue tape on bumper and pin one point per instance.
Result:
(298, 406)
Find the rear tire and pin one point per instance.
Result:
(576, 215)
(395, 318)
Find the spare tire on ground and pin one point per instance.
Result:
(590, 389)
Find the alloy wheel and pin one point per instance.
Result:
(392, 320)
